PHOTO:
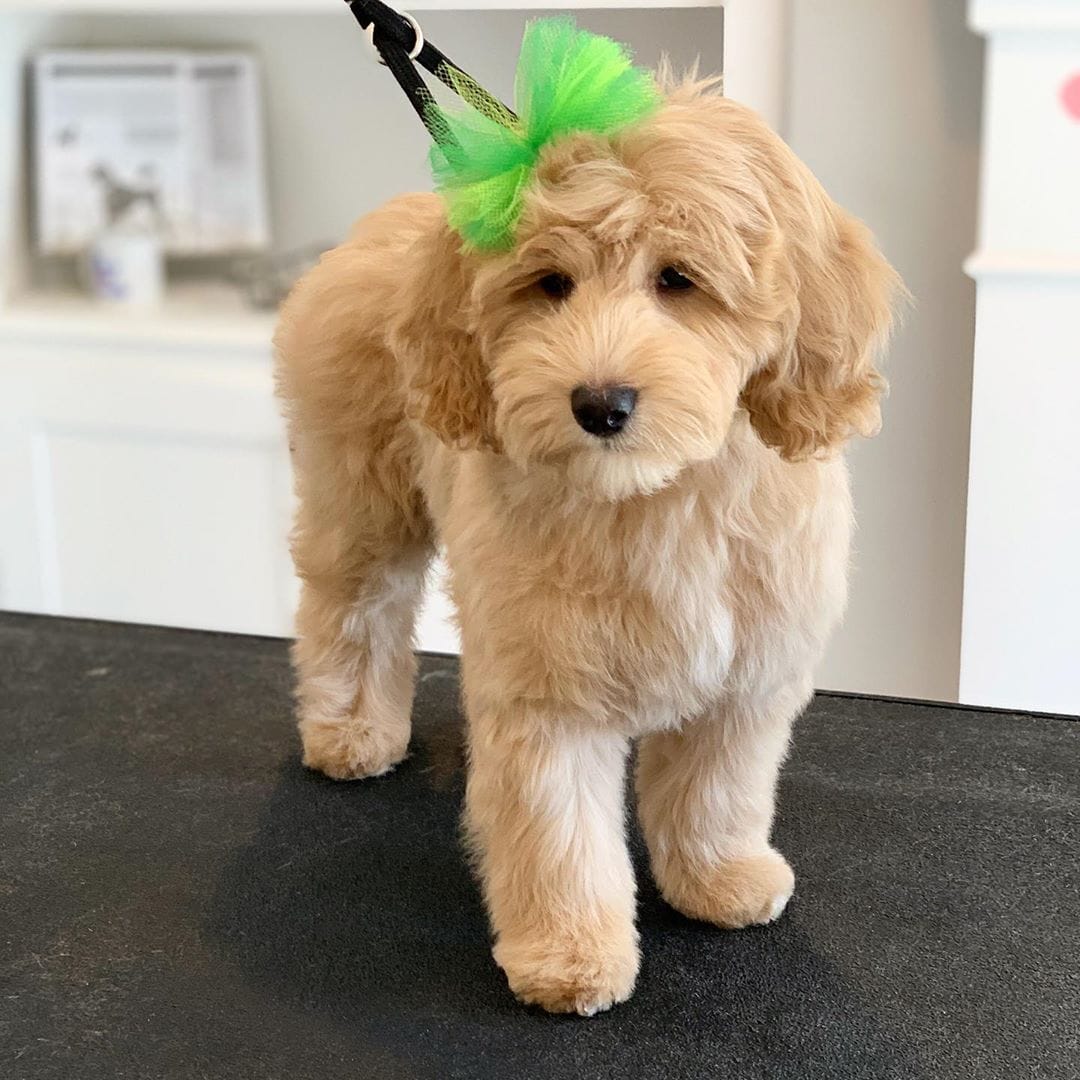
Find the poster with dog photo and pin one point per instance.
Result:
(160, 141)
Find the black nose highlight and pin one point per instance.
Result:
(603, 410)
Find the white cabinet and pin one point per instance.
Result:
(145, 476)
(1021, 631)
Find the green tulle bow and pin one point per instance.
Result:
(567, 80)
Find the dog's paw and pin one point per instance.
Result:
(747, 891)
(353, 750)
(566, 976)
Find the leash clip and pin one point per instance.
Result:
(418, 41)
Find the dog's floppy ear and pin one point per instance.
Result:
(822, 387)
(445, 376)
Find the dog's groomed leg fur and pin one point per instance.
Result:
(706, 797)
(362, 537)
(356, 669)
(362, 562)
(545, 814)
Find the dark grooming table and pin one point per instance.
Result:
(180, 898)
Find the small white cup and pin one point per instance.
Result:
(126, 268)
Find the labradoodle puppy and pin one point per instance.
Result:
(626, 433)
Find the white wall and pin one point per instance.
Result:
(18, 34)
(884, 104)
(342, 139)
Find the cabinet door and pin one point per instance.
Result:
(1021, 637)
(152, 485)
(148, 485)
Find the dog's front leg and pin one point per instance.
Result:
(545, 814)
(706, 795)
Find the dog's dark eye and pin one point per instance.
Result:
(671, 279)
(557, 286)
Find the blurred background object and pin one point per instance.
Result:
(142, 461)
(148, 140)
(267, 279)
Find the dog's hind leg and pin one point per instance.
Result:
(361, 547)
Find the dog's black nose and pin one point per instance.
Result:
(603, 410)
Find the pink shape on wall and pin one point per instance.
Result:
(1070, 95)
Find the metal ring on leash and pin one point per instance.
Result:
(418, 43)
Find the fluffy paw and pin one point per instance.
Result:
(351, 750)
(746, 891)
(568, 976)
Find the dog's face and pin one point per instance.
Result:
(660, 281)
(607, 333)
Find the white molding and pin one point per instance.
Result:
(191, 319)
(999, 16)
(1036, 264)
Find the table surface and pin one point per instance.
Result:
(180, 898)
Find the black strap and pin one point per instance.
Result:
(394, 38)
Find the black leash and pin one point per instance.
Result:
(400, 43)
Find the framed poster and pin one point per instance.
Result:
(162, 141)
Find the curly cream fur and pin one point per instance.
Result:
(675, 585)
